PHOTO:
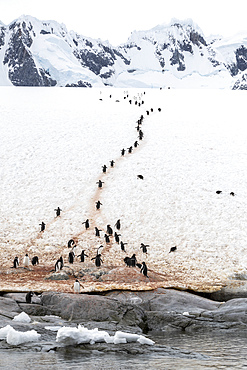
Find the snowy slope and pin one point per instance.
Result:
(52, 152)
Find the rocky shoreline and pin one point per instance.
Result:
(142, 312)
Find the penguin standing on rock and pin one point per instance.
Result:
(59, 264)
(29, 297)
(144, 269)
(77, 286)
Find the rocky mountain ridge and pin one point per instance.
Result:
(45, 53)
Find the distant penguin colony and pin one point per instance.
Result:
(110, 235)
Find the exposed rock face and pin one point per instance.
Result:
(38, 53)
(159, 310)
(19, 59)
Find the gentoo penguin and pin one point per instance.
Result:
(35, 260)
(16, 262)
(29, 297)
(59, 264)
(58, 211)
(26, 260)
(173, 249)
(77, 286)
(42, 226)
(144, 269)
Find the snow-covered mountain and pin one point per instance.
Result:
(45, 53)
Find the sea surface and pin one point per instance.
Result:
(195, 351)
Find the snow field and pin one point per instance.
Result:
(55, 141)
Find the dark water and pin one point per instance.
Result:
(197, 351)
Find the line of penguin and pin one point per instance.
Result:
(129, 261)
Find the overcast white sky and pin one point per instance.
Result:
(114, 20)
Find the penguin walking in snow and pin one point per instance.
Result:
(122, 246)
(29, 297)
(16, 262)
(100, 183)
(58, 211)
(71, 257)
(130, 149)
(144, 269)
(144, 247)
(141, 135)
(82, 255)
(104, 168)
(122, 152)
(26, 260)
(112, 163)
(116, 236)
(118, 224)
(98, 260)
(98, 204)
(77, 286)
(42, 226)
(136, 144)
(109, 230)
(86, 223)
(70, 243)
(35, 260)
(107, 239)
(97, 231)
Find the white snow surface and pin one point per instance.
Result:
(54, 142)
(81, 335)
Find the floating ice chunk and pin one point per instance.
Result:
(53, 328)
(15, 337)
(129, 337)
(80, 335)
(144, 340)
(22, 317)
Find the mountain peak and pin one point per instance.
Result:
(45, 53)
